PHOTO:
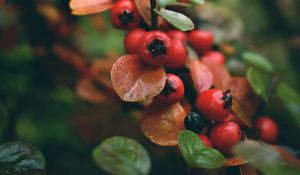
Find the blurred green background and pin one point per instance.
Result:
(38, 86)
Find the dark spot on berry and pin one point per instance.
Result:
(168, 89)
(126, 17)
(194, 122)
(157, 47)
(227, 97)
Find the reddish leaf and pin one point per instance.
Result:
(287, 156)
(202, 76)
(221, 76)
(247, 170)
(144, 9)
(245, 101)
(161, 123)
(135, 81)
(85, 7)
(234, 161)
(88, 91)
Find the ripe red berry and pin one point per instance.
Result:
(215, 57)
(178, 35)
(201, 40)
(125, 15)
(154, 48)
(267, 128)
(214, 104)
(173, 91)
(205, 140)
(224, 135)
(131, 40)
(178, 55)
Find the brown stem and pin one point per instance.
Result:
(153, 14)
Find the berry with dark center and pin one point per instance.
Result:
(194, 122)
(154, 48)
(173, 91)
(157, 48)
(214, 104)
(125, 15)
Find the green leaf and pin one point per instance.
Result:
(259, 82)
(178, 20)
(3, 118)
(201, 2)
(21, 158)
(165, 3)
(257, 61)
(290, 100)
(120, 155)
(264, 158)
(196, 154)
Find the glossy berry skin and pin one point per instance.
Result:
(178, 35)
(201, 40)
(215, 57)
(205, 140)
(267, 128)
(194, 122)
(225, 135)
(173, 91)
(125, 15)
(154, 48)
(214, 104)
(177, 55)
(131, 40)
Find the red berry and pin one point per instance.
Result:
(215, 57)
(205, 140)
(173, 91)
(178, 55)
(224, 135)
(267, 128)
(201, 40)
(131, 40)
(154, 48)
(214, 105)
(177, 34)
(125, 15)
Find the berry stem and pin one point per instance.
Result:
(153, 14)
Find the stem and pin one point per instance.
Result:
(153, 14)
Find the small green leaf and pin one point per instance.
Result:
(196, 154)
(120, 155)
(3, 118)
(201, 2)
(165, 3)
(257, 61)
(259, 82)
(178, 20)
(21, 158)
(264, 158)
(291, 100)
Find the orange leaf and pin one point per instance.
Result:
(161, 123)
(202, 76)
(87, 90)
(135, 81)
(221, 76)
(145, 11)
(245, 101)
(234, 161)
(85, 7)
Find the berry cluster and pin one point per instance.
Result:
(166, 47)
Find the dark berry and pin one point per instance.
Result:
(194, 122)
